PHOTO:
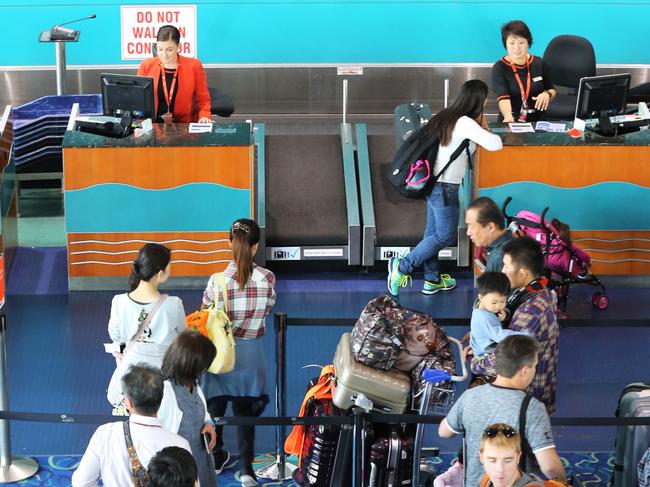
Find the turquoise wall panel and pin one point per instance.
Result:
(122, 208)
(340, 31)
(604, 206)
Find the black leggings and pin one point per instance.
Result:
(241, 406)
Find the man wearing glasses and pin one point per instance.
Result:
(503, 402)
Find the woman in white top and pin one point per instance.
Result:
(462, 120)
(129, 311)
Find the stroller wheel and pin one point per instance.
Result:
(600, 301)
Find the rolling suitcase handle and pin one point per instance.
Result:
(433, 376)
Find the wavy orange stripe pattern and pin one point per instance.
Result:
(104, 254)
(157, 167)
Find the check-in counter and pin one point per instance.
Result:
(599, 185)
(171, 187)
(8, 222)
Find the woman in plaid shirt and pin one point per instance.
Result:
(251, 295)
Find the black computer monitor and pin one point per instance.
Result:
(127, 95)
(602, 97)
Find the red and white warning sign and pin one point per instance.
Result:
(140, 25)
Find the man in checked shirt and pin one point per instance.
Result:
(532, 310)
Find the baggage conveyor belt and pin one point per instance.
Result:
(393, 225)
(307, 200)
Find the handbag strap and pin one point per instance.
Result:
(140, 331)
(219, 281)
(137, 471)
(464, 145)
(525, 446)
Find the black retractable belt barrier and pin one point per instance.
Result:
(68, 418)
(454, 322)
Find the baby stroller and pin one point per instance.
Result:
(565, 263)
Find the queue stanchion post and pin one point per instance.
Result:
(280, 469)
(357, 448)
(12, 469)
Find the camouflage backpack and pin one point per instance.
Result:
(387, 335)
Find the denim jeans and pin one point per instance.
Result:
(440, 232)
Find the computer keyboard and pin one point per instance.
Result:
(624, 127)
(107, 128)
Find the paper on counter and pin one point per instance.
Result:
(200, 128)
(579, 124)
(551, 127)
(520, 128)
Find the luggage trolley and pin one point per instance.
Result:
(437, 398)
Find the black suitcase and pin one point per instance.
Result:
(325, 452)
(391, 458)
(409, 117)
(631, 441)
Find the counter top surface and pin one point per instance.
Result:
(166, 135)
(588, 138)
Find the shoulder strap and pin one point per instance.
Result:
(219, 281)
(463, 145)
(525, 446)
(140, 331)
(137, 471)
(469, 156)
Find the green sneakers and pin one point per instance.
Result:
(445, 284)
(395, 278)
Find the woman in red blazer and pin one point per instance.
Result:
(177, 81)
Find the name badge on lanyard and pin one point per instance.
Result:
(169, 94)
(523, 112)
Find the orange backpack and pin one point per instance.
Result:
(322, 390)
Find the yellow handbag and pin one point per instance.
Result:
(214, 323)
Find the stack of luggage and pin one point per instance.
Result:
(383, 360)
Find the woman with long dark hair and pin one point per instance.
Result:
(251, 295)
(462, 120)
(143, 322)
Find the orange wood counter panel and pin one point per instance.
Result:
(179, 189)
(599, 186)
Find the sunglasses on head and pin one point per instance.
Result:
(506, 431)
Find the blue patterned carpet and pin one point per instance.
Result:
(594, 469)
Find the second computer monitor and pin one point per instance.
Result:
(602, 96)
(125, 94)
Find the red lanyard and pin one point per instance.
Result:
(524, 93)
(169, 94)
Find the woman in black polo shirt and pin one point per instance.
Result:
(520, 80)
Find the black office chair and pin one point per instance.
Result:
(220, 103)
(568, 58)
